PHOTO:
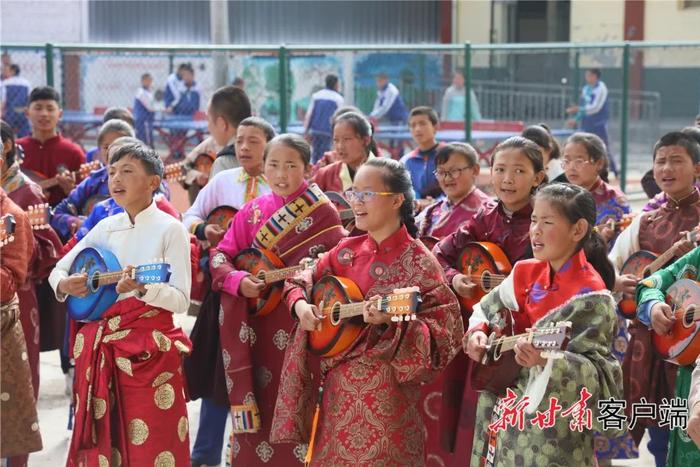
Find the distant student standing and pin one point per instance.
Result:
(420, 162)
(453, 101)
(593, 111)
(388, 106)
(144, 113)
(182, 95)
(15, 98)
(317, 124)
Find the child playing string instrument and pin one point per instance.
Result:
(129, 392)
(368, 413)
(294, 221)
(566, 281)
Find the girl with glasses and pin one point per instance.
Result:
(378, 377)
(457, 171)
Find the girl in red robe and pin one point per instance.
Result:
(352, 140)
(517, 169)
(368, 410)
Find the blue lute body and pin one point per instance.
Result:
(100, 263)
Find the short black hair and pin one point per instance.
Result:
(231, 103)
(8, 134)
(132, 147)
(260, 124)
(15, 69)
(595, 71)
(44, 93)
(238, 81)
(425, 110)
(541, 135)
(146, 75)
(331, 81)
(678, 138)
(465, 150)
(186, 67)
(118, 113)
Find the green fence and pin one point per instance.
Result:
(653, 87)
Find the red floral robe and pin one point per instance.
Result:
(253, 347)
(130, 406)
(443, 218)
(47, 250)
(369, 412)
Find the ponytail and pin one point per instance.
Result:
(596, 250)
(398, 180)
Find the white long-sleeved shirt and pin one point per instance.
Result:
(227, 188)
(385, 99)
(153, 235)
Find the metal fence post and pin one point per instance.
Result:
(48, 50)
(467, 91)
(624, 115)
(577, 76)
(283, 88)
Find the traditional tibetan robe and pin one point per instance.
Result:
(682, 450)
(645, 374)
(204, 368)
(34, 315)
(443, 218)
(511, 232)
(301, 225)
(537, 298)
(369, 412)
(19, 424)
(611, 204)
(129, 392)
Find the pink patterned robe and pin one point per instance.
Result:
(253, 347)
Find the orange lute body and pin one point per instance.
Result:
(48, 182)
(682, 345)
(486, 265)
(637, 265)
(222, 216)
(340, 301)
(266, 266)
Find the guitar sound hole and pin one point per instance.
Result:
(486, 281)
(688, 316)
(94, 282)
(261, 275)
(335, 314)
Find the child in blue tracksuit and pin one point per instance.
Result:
(15, 98)
(317, 124)
(144, 113)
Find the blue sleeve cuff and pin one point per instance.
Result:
(644, 311)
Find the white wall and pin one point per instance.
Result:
(43, 21)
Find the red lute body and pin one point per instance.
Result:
(259, 263)
(637, 265)
(487, 265)
(222, 216)
(682, 344)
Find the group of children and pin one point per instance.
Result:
(399, 392)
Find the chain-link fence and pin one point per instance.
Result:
(652, 88)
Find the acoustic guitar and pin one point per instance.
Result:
(7, 229)
(341, 303)
(682, 344)
(642, 264)
(617, 225)
(48, 182)
(103, 272)
(486, 265)
(347, 216)
(498, 369)
(269, 268)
